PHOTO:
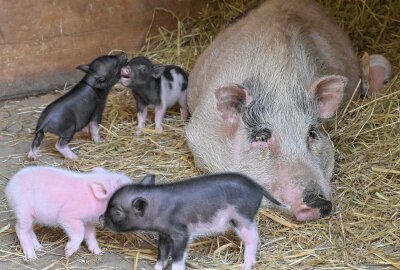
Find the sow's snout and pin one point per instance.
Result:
(305, 203)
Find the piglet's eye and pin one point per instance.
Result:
(386, 81)
(116, 213)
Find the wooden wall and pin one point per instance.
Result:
(42, 41)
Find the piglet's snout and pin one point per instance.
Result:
(125, 71)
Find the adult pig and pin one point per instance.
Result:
(259, 93)
(58, 197)
(82, 107)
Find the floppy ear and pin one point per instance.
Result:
(328, 91)
(139, 205)
(99, 191)
(148, 180)
(232, 99)
(84, 68)
(158, 71)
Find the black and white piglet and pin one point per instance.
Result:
(161, 86)
(180, 211)
(82, 107)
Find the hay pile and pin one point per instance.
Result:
(364, 230)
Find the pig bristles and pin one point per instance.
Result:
(364, 229)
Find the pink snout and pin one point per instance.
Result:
(304, 203)
(306, 213)
(125, 71)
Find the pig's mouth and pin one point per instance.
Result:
(125, 80)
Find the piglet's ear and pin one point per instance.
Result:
(328, 91)
(232, 99)
(139, 205)
(99, 191)
(158, 71)
(148, 180)
(84, 68)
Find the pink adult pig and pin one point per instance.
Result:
(58, 197)
(259, 93)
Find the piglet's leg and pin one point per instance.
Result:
(75, 231)
(164, 245)
(63, 148)
(141, 116)
(32, 155)
(184, 106)
(24, 231)
(94, 131)
(90, 239)
(160, 112)
(249, 236)
(36, 245)
(179, 245)
(86, 129)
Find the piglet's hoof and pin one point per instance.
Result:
(96, 140)
(95, 250)
(31, 155)
(159, 129)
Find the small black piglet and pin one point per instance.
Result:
(161, 86)
(180, 211)
(82, 107)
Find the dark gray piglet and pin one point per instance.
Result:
(80, 108)
(179, 212)
(161, 86)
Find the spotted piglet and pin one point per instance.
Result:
(161, 86)
(180, 211)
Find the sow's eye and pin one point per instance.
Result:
(313, 133)
(262, 136)
(261, 139)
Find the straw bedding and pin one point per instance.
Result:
(363, 232)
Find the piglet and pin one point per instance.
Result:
(82, 107)
(58, 197)
(180, 211)
(376, 73)
(161, 86)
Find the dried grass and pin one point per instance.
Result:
(362, 233)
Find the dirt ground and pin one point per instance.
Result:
(17, 119)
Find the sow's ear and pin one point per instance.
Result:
(148, 180)
(84, 68)
(99, 191)
(232, 99)
(139, 205)
(328, 91)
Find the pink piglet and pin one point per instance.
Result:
(56, 197)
